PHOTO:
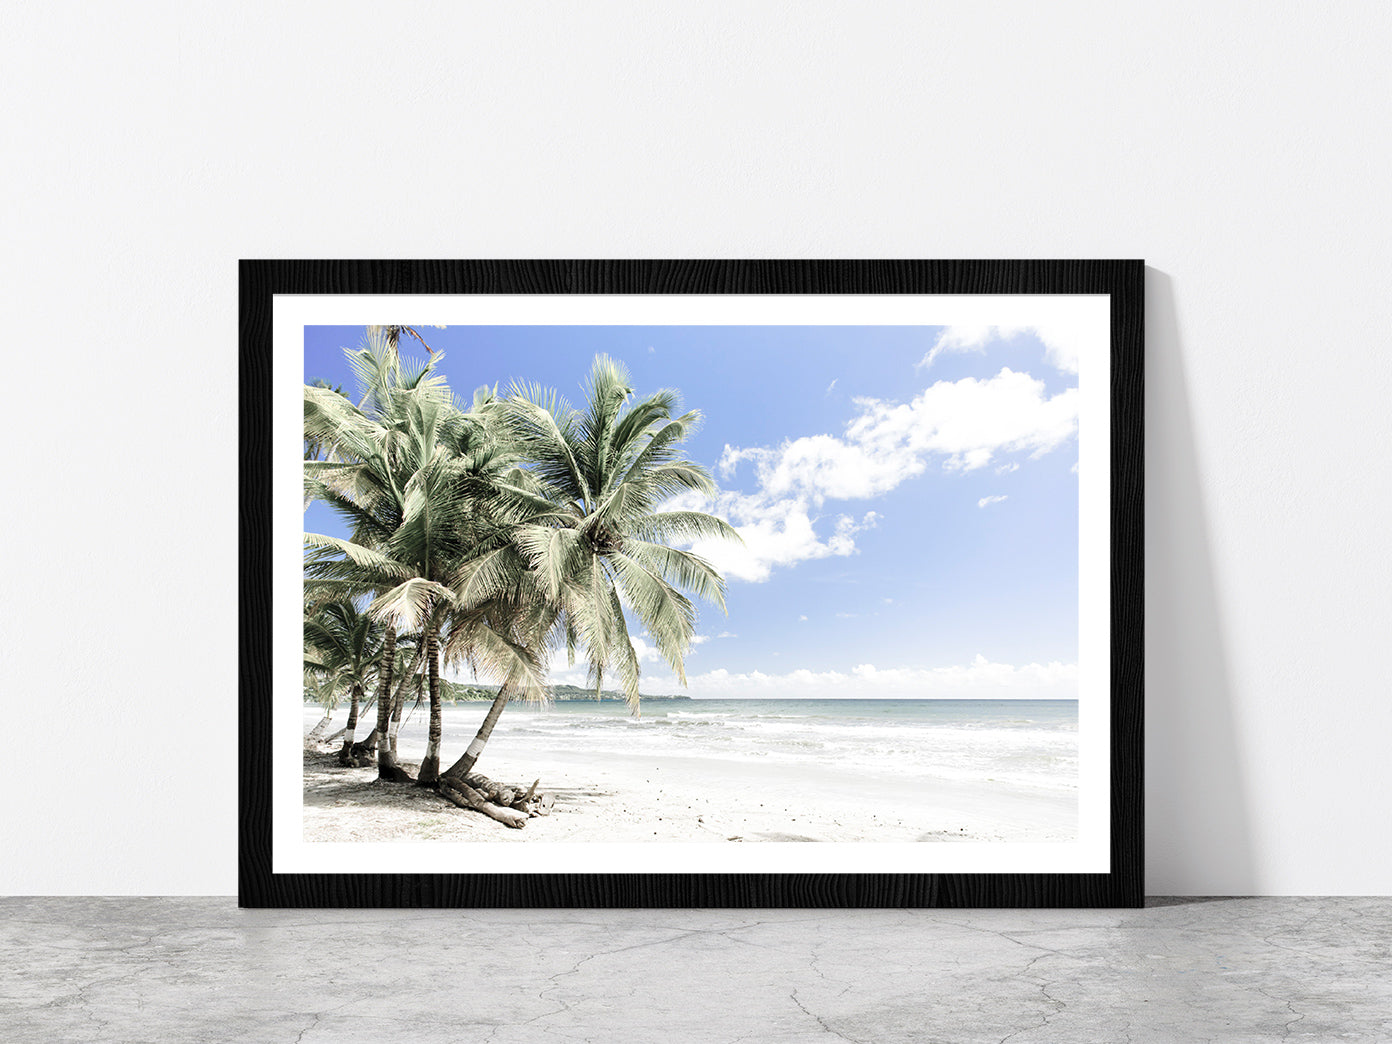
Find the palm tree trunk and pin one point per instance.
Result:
(399, 697)
(417, 688)
(387, 768)
(465, 765)
(367, 746)
(317, 733)
(345, 753)
(397, 704)
(430, 766)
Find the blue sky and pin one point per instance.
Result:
(908, 495)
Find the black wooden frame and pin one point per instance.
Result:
(260, 281)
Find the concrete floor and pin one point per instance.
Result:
(200, 970)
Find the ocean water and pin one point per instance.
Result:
(1031, 743)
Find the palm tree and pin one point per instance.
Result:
(399, 662)
(343, 645)
(504, 532)
(393, 335)
(316, 450)
(321, 687)
(369, 464)
(406, 481)
(595, 542)
(410, 651)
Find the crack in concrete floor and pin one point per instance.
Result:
(1240, 970)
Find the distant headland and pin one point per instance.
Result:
(455, 692)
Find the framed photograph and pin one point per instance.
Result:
(691, 583)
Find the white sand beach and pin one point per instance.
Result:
(617, 780)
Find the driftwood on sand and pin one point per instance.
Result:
(465, 796)
(529, 801)
(509, 805)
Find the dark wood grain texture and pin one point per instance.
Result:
(261, 280)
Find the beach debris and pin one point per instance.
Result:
(507, 804)
(510, 805)
(460, 793)
(535, 804)
(498, 793)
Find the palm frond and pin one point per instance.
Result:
(668, 615)
(683, 569)
(407, 605)
(681, 527)
(370, 561)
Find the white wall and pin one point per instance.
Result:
(1242, 149)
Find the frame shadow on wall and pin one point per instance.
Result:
(1198, 820)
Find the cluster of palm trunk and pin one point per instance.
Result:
(492, 536)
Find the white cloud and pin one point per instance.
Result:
(967, 422)
(830, 386)
(645, 651)
(988, 501)
(802, 619)
(980, 679)
(775, 533)
(966, 339)
(727, 634)
(1063, 341)
(965, 425)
